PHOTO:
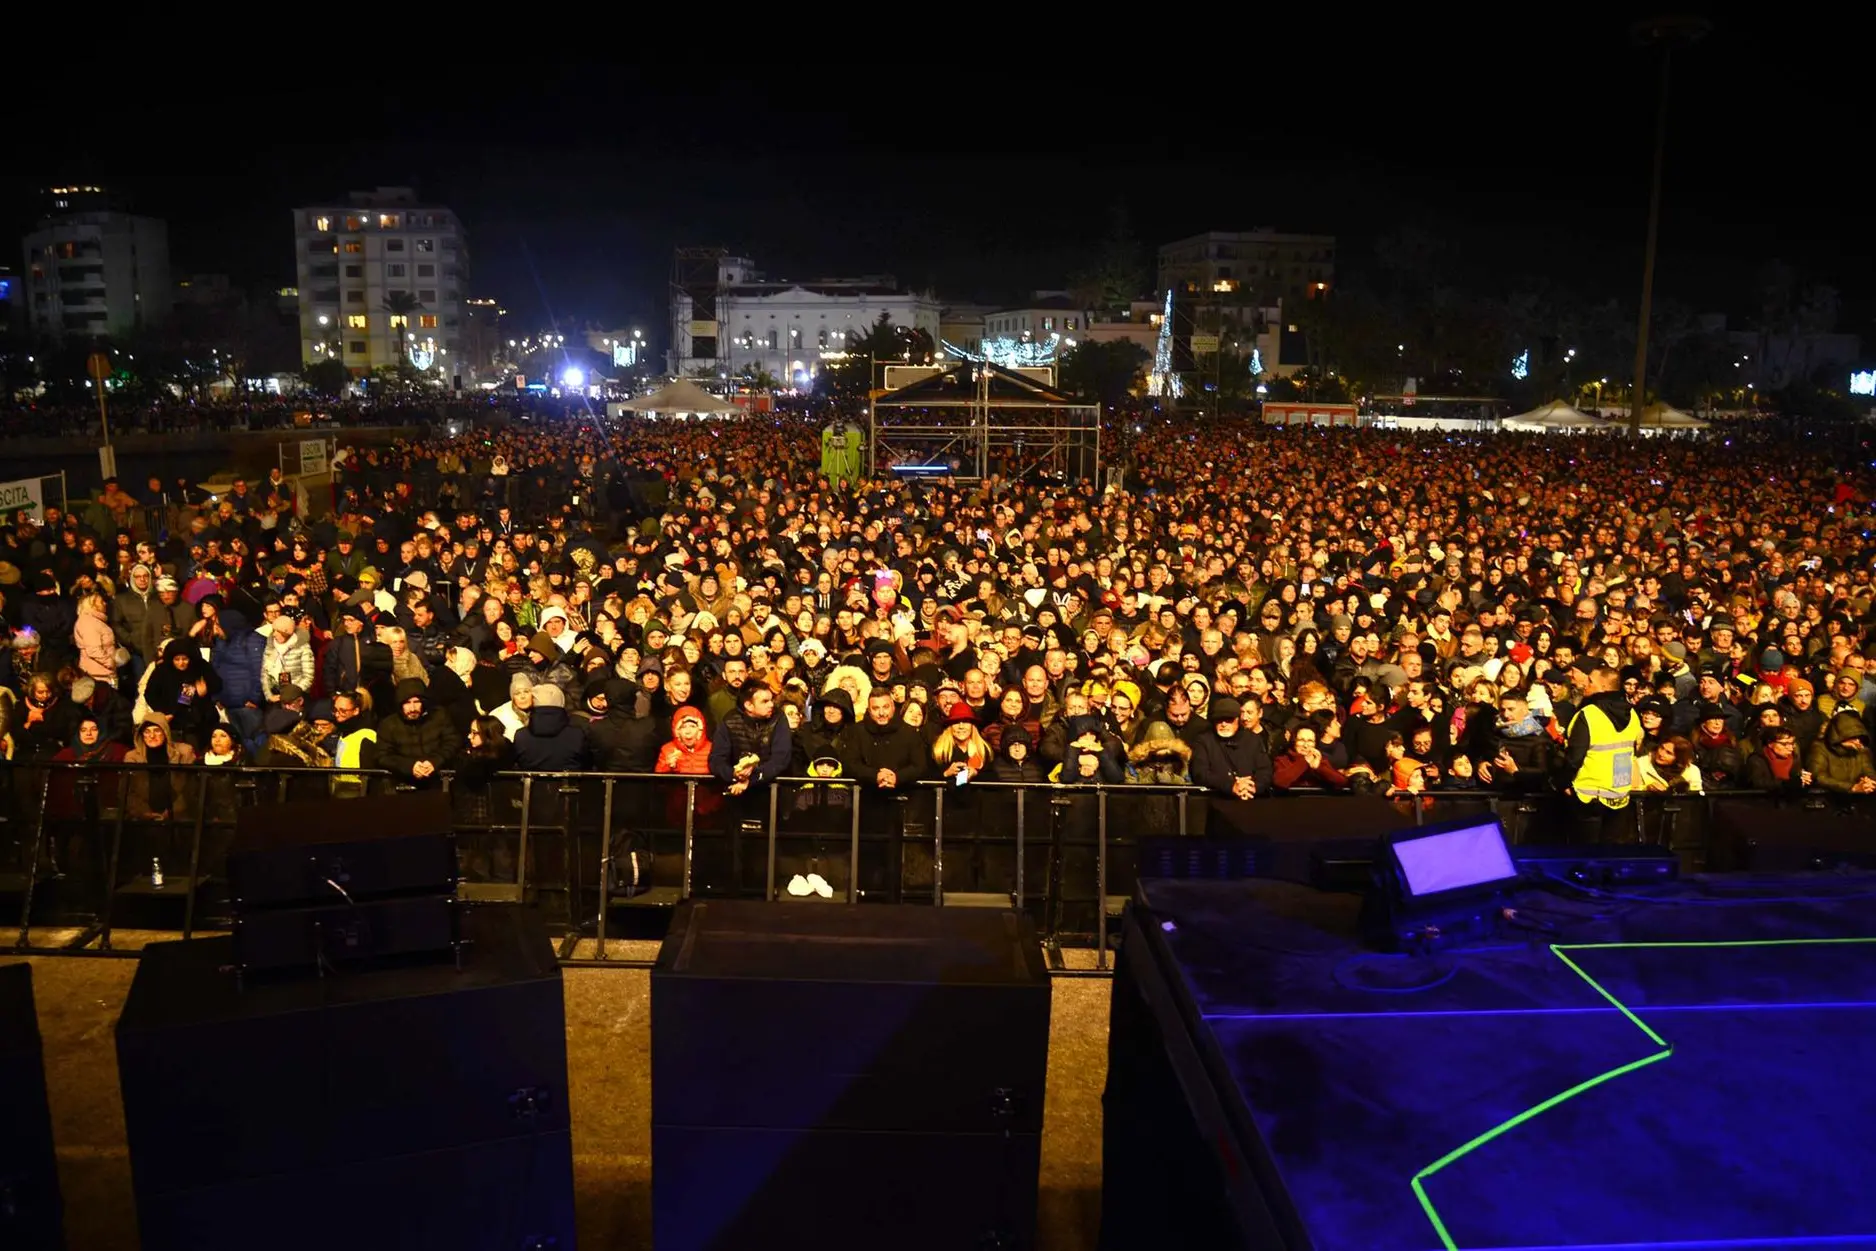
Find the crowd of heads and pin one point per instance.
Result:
(1358, 608)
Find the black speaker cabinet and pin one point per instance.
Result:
(326, 851)
(323, 1112)
(880, 1066)
(31, 1217)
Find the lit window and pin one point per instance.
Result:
(388, 221)
(354, 246)
(426, 321)
(399, 321)
(355, 221)
(357, 321)
(426, 245)
(322, 224)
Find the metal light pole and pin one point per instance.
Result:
(1667, 32)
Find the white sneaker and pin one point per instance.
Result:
(819, 885)
(798, 886)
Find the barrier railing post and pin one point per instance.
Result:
(571, 862)
(1021, 796)
(1183, 826)
(769, 890)
(110, 871)
(1100, 877)
(938, 847)
(605, 866)
(195, 857)
(521, 853)
(853, 845)
(690, 834)
(32, 866)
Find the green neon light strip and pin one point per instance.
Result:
(1667, 1049)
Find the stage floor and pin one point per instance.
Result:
(1696, 1073)
(609, 1071)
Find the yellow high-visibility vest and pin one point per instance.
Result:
(1608, 773)
(350, 755)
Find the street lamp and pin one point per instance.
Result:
(1667, 33)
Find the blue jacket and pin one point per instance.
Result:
(236, 660)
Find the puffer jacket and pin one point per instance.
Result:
(1160, 758)
(290, 660)
(1834, 766)
(236, 660)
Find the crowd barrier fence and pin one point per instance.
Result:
(593, 848)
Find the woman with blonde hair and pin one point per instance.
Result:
(97, 642)
(961, 749)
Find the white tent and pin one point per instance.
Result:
(1666, 417)
(1555, 415)
(682, 397)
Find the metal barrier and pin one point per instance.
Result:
(1067, 854)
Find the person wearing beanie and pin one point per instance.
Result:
(416, 741)
(551, 742)
(1228, 762)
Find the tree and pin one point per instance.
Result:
(1103, 371)
(328, 376)
(1116, 273)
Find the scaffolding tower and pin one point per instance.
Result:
(972, 419)
(696, 277)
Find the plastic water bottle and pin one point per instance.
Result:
(156, 873)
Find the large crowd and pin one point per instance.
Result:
(1253, 610)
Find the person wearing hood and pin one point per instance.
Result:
(1227, 761)
(1841, 760)
(449, 685)
(1599, 752)
(688, 749)
(1016, 758)
(622, 741)
(133, 618)
(417, 742)
(183, 690)
(235, 656)
(1159, 758)
(828, 736)
(157, 794)
(1091, 752)
(551, 742)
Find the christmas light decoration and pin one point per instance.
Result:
(1257, 363)
(1162, 380)
(1008, 353)
(1863, 382)
(423, 355)
(1521, 365)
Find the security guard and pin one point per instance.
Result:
(1599, 755)
(357, 744)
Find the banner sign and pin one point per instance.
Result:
(26, 493)
(312, 456)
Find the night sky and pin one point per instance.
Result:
(1524, 146)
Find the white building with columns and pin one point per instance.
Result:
(788, 328)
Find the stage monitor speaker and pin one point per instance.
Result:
(328, 938)
(298, 854)
(31, 1215)
(411, 1086)
(884, 1065)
